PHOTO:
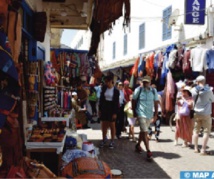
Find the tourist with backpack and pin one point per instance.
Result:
(144, 98)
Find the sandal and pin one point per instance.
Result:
(205, 153)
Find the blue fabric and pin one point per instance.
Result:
(210, 60)
(6, 62)
(164, 70)
(140, 65)
(156, 62)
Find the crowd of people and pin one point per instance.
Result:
(116, 106)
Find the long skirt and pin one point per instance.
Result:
(184, 128)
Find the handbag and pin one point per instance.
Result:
(184, 110)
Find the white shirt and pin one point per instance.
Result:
(121, 98)
(198, 60)
(109, 94)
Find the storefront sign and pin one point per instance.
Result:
(195, 12)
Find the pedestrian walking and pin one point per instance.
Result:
(203, 98)
(130, 117)
(144, 98)
(108, 110)
(120, 115)
(184, 123)
(92, 98)
(157, 123)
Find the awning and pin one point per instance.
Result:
(118, 64)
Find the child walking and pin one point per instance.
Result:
(130, 117)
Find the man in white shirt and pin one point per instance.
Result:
(203, 97)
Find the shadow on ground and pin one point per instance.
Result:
(131, 163)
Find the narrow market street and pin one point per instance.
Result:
(168, 160)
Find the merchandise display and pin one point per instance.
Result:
(52, 132)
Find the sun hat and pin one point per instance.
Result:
(188, 89)
(147, 79)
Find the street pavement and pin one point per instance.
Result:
(168, 160)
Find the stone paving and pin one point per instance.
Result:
(168, 160)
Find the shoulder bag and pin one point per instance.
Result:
(192, 111)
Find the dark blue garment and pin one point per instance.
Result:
(210, 60)
(141, 65)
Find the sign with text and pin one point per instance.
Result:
(197, 174)
(195, 12)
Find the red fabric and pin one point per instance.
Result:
(135, 67)
(186, 63)
(184, 128)
(150, 64)
(65, 96)
(16, 172)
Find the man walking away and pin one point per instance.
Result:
(203, 98)
(144, 99)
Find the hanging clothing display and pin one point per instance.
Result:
(198, 59)
(70, 63)
(210, 59)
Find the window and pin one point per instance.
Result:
(125, 44)
(142, 36)
(167, 31)
(114, 50)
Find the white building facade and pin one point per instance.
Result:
(153, 25)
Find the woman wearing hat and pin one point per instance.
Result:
(184, 124)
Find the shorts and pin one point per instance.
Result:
(131, 121)
(202, 121)
(144, 124)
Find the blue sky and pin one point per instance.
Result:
(67, 36)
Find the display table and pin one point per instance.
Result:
(42, 147)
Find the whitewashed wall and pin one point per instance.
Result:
(149, 12)
(86, 35)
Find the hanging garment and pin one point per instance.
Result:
(62, 99)
(210, 21)
(135, 67)
(65, 100)
(14, 34)
(69, 100)
(187, 69)
(59, 98)
(198, 59)
(170, 91)
(150, 64)
(210, 60)
(173, 58)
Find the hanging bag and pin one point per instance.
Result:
(192, 111)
